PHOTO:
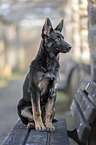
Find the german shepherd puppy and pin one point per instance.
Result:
(40, 87)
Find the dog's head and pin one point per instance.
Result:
(54, 40)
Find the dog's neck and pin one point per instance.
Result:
(43, 58)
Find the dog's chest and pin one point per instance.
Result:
(48, 83)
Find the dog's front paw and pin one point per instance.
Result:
(40, 127)
(50, 127)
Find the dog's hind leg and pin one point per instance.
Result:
(25, 113)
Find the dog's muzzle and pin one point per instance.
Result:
(69, 47)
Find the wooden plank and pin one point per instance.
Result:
(59, 137)
(17, 135)
(92, 14)
(90, 88)
(37, 138)
(82, 127)
(87, 107)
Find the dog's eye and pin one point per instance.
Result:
(58, 38)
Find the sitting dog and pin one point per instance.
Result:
(40, 87)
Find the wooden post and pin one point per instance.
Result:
(92, 37)
(92, 45)
(85, 53)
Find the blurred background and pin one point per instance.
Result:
(21, 23)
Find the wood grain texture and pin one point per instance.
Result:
(82, 127)
(90, 88)
(59, 137)
(87, 107)
(17, 135)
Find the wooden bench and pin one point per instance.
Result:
(19, 135)
(83, 110)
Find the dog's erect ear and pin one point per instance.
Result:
(47, 28)
(59, 26)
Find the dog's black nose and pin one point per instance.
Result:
(69, 47)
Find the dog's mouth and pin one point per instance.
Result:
(64, 50)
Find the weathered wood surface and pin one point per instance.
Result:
(19, 135)
(84, 112)
(92, 45)
(92, 14)
(92, 41)
(83, 129)
(37, 138)
(87, 107)
(90, 88)
(59, 137)
(92, 36)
